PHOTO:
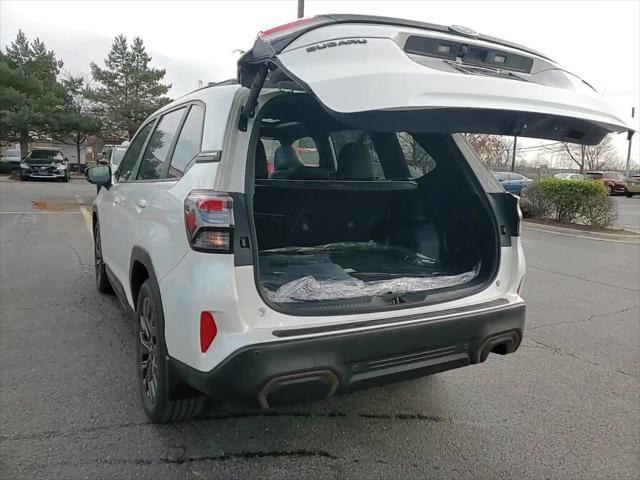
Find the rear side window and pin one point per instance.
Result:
(270, 146)
(188, 144)
(133, 152)
(154, 159)
(307, 151)
(418, 160)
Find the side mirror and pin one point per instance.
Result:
(99, 175)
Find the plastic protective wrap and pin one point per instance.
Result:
(349, 269)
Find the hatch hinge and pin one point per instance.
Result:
(249, 108)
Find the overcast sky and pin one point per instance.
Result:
(194, 41)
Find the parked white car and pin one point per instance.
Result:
(569, 176)
(253, 275)
(11, 159)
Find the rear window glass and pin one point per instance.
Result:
(593, 176)
(614, 176)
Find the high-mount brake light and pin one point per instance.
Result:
(208, 220)
(286, 28)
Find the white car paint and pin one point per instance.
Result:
(149, 214)
(379, 75)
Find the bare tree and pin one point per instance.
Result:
(603, 156)
(494, 150)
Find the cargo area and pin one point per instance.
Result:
(354, 219)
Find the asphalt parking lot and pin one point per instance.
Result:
(566, 405)
(628, 213)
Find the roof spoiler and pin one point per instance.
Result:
(271, 42)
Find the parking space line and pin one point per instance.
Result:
(87, 221)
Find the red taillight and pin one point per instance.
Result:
(213, 205)
(208, 219)
(285, 28)
(208, 331)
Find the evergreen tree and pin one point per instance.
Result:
(30, 94)
(129, 89)
(77, 120)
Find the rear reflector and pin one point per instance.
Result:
(208, 331)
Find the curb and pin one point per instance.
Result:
(569, 232)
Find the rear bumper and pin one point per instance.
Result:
(308, 368)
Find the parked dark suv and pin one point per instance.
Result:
(614, 181)
(45, 163)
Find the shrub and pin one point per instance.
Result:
(572, 201)
(538, 204)
(599, 211)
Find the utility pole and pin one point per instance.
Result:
(520, 126)
(629, 138)
(513, 156)
(300, 8)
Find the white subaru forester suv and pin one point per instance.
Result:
(320, 225)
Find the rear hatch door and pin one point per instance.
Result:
(383, 73)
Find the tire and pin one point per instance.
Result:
(151, 352)
(609, 190)
(102, 281)
(629, 195)
(523, 192)
(23, 178)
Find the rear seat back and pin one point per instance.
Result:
(322, 213)
(289, 166)
(355, 163)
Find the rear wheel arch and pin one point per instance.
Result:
(140, 269)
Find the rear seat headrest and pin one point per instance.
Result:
(260, 165)
(355, 163)
(286, 158)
